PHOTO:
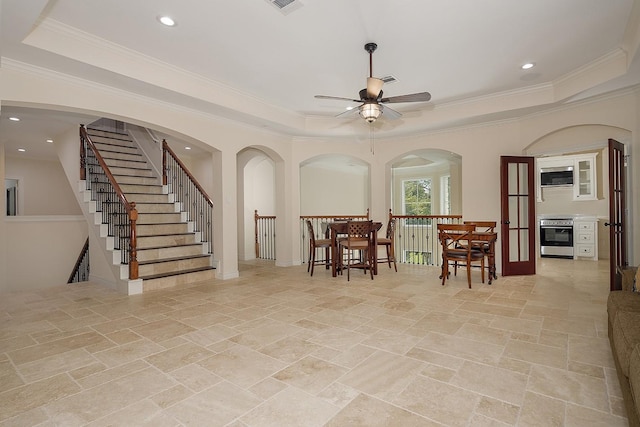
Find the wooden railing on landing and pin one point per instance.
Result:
(416, 236)
(265, 236)
(189, 193)
(118, 213)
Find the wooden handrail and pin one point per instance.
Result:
(392, 215)
(103, 165)
(335, 216)
(130, 207)
(165, 149)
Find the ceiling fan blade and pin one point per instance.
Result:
(336, 98)
(374, 86)
(390, 113)
(350, 112)
(414, 97)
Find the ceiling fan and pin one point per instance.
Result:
(371, 97)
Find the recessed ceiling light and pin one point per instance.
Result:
(22, 150)
(528, 65)
(349, 108)
(49, 141)
(187, 148)
(14, 119)
(167, 20)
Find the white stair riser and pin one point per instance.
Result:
(171, 252)
(135, 188)
(125, 164)
(157, 241)
(147, 218)
(176, 281)
(136, 180)
(109, 154)
(173, 266)
(133, 172)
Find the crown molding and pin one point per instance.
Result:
(61, 39)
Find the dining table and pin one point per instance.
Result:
(489, 238)
(337, 228)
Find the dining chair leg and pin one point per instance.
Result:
(391, 254)
(312, 260)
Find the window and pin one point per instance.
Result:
(445, 195)
(417, 197)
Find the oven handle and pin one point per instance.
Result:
(564, 227)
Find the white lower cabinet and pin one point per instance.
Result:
(585, 239)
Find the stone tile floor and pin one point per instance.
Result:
(276, 347)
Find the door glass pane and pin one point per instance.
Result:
(513, 212)
(513, 178)
(524, 245)
(524, 212)
(522, 179)
(513, 246)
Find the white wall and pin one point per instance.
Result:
(43, 188)
(325, 191)
(480, 147)
(41, 250)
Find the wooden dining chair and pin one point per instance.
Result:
(485, 227)
(456, 241)
(388, 242)
(359, 239)
(315, 244)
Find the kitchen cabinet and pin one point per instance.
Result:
(585, 238)
(584, 174)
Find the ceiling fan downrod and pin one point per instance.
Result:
(370, 47)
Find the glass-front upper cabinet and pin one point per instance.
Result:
(584, 187)
(577, 171)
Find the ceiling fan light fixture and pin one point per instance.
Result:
(370, 112)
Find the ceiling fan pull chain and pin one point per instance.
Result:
(372, 139)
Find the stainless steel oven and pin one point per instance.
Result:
(556, 237)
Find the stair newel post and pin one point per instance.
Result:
(164, 162)
(133, 255)
(83, 160)
(257, 244)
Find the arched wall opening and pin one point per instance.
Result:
(256, 192)
(576, 140)
(432, 175)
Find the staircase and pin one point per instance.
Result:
(169, 252)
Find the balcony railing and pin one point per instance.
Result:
(416, 236)
(265, 236)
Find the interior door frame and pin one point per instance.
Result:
(520, 267)
(618, 258)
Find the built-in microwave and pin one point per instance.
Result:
(556, 176)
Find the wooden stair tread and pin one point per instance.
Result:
(179, 258)
(176, 273)
(182, 245)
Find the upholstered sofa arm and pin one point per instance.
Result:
(629, 274)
